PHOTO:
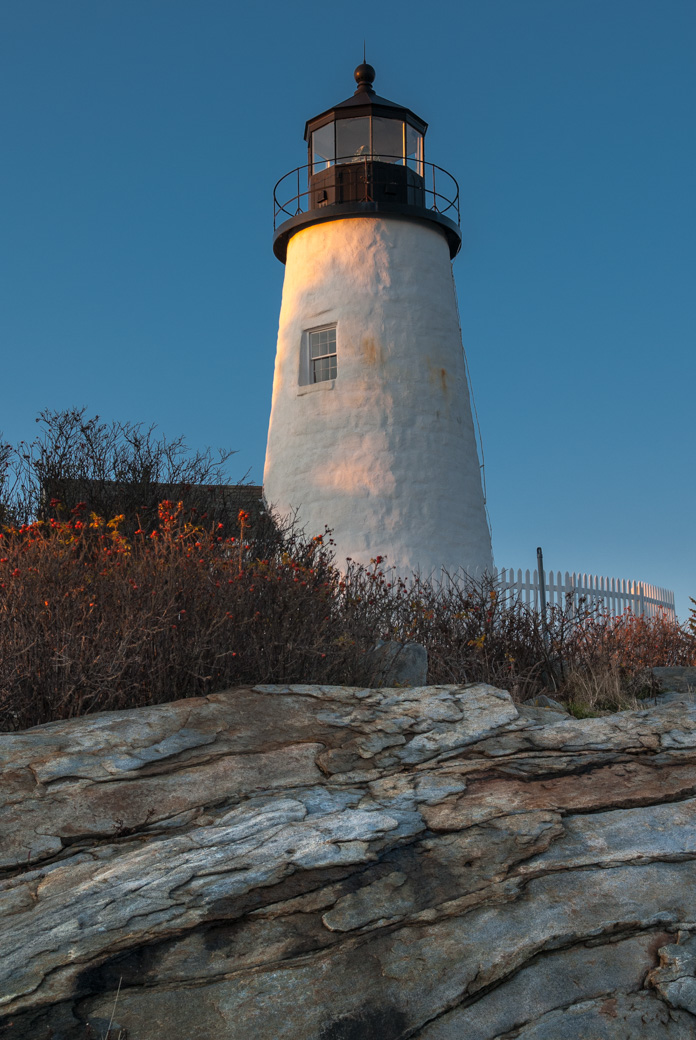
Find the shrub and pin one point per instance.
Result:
(95, 617)
(471, 634)
(118, 468)
(93, 620)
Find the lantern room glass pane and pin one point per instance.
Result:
(414, 149)
(352, 139)
(323, 151)
(388, 139)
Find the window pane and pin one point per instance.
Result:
(352, 139)
(323, 153)
(414, 149)
(322, 343)
(324, 368)
(388, 139)
(322, 354)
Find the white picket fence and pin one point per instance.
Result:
(615, 594)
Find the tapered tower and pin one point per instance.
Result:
(371, 430)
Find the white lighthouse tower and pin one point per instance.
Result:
(371, 431)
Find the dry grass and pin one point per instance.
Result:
(606, 688)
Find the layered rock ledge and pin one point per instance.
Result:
(328, 863)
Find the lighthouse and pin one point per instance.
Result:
(371, 430)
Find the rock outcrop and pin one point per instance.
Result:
(678, 683)
(398, 664)
(326, 863)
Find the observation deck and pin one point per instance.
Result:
(361, 186)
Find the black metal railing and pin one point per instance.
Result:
(429, 185)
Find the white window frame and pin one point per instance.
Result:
(306, 380)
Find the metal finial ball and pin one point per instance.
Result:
(364, 75)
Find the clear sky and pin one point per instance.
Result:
(141, 140)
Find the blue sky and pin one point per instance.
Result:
(142, 140)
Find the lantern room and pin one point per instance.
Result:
(365, 155)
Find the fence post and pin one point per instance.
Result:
(542, 594)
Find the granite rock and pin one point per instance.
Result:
(399, 664)
(677, 679)
(542, 701)
(331, 863)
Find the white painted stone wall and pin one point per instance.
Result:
(385, 455)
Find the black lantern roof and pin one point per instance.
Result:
(365, 102)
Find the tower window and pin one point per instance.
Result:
(322, 355)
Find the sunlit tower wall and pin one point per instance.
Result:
(371, 431)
